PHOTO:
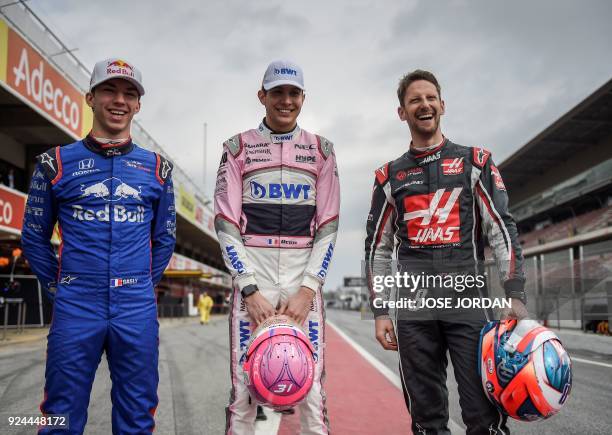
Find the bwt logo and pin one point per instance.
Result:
(285, 71)
(325, 264)
(281, 137)
(279, 190)
(245, 336)
(313, 336)
(233, 257)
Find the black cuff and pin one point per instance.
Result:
(379, 311)
(515, 288)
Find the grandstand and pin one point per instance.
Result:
(560, 188)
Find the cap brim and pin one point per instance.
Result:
(138, 86)
(268, 86)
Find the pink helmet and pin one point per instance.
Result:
(279, 367)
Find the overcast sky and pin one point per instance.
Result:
(507, 70)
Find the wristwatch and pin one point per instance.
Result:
(248, 290)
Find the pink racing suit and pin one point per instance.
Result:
(277, 201)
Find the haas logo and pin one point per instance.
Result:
(433, 219)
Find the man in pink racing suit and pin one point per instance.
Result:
(277, 200)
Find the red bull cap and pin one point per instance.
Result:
(115, 68)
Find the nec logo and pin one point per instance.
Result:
(433, 218)
(452, 166)
(286, 71)
(298, 146)
(279, 190)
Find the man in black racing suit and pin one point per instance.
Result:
(433, 206)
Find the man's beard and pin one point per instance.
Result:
(427, 131)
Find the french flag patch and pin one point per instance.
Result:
(120, 282)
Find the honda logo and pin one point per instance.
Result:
(86, 164)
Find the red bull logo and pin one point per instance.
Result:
(120, 63)
(98, 190)
(120, 67)
(118, 213)
(103, 190)
(127, 191)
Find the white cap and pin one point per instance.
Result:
(283, 72)
(115, 68)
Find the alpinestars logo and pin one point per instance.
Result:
(433, 218)
(165, 169)
(46, 158)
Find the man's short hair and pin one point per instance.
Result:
(413, 76)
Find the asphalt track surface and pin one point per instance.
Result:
(194, 381)
(586, 412)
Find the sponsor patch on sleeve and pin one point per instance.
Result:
(164, 169)
(382, 174)
(51, 164)
(497, 179)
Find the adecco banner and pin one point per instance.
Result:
(25, 71)
(186, 204)
(12, 207)
(188, 207)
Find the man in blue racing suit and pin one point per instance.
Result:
(114, 205)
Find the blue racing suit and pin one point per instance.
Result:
(114, 206)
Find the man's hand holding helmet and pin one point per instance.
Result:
(258, 307)
(298, 305)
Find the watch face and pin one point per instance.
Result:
(248, 290)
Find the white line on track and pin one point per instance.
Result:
(385, 371)
(588, 361)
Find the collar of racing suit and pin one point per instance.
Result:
(273, 137)
(108, 149)
(423, 152)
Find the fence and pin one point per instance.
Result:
(570, 287)
(37, 307)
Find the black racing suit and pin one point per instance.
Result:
(434, 209)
